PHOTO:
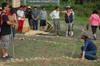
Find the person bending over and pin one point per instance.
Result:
(88, 49)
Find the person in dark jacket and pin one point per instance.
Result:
(88, 49)
(69, 17)
(29, 16)
(35, 18)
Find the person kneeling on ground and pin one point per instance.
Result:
(88, 49)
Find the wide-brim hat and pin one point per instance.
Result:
(84, 34)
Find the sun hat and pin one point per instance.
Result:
(84, 34)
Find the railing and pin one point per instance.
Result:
(42, 1)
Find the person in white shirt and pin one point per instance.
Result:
(55, 15)
(21, 18)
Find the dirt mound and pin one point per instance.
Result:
(35, 32)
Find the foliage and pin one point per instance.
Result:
(83, 9)
(58, 51)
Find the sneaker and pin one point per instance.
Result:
(7, 57)
(71, 33)
(94, 37)
(66, 34)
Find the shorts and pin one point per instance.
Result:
(94, 28)
(5, 41)
(42, 22)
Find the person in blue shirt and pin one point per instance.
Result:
(88, 49)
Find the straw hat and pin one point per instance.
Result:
(68, 6)
(84, 34)
(29, 7)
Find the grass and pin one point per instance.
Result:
(52, 50)
(40, 46)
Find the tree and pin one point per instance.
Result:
(64, 0)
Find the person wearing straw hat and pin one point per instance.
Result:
(89, 48)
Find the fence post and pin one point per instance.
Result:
(24, 2)
(58, 2)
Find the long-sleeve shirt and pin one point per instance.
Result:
(55, 14)
(89, 45)
(94, 20)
